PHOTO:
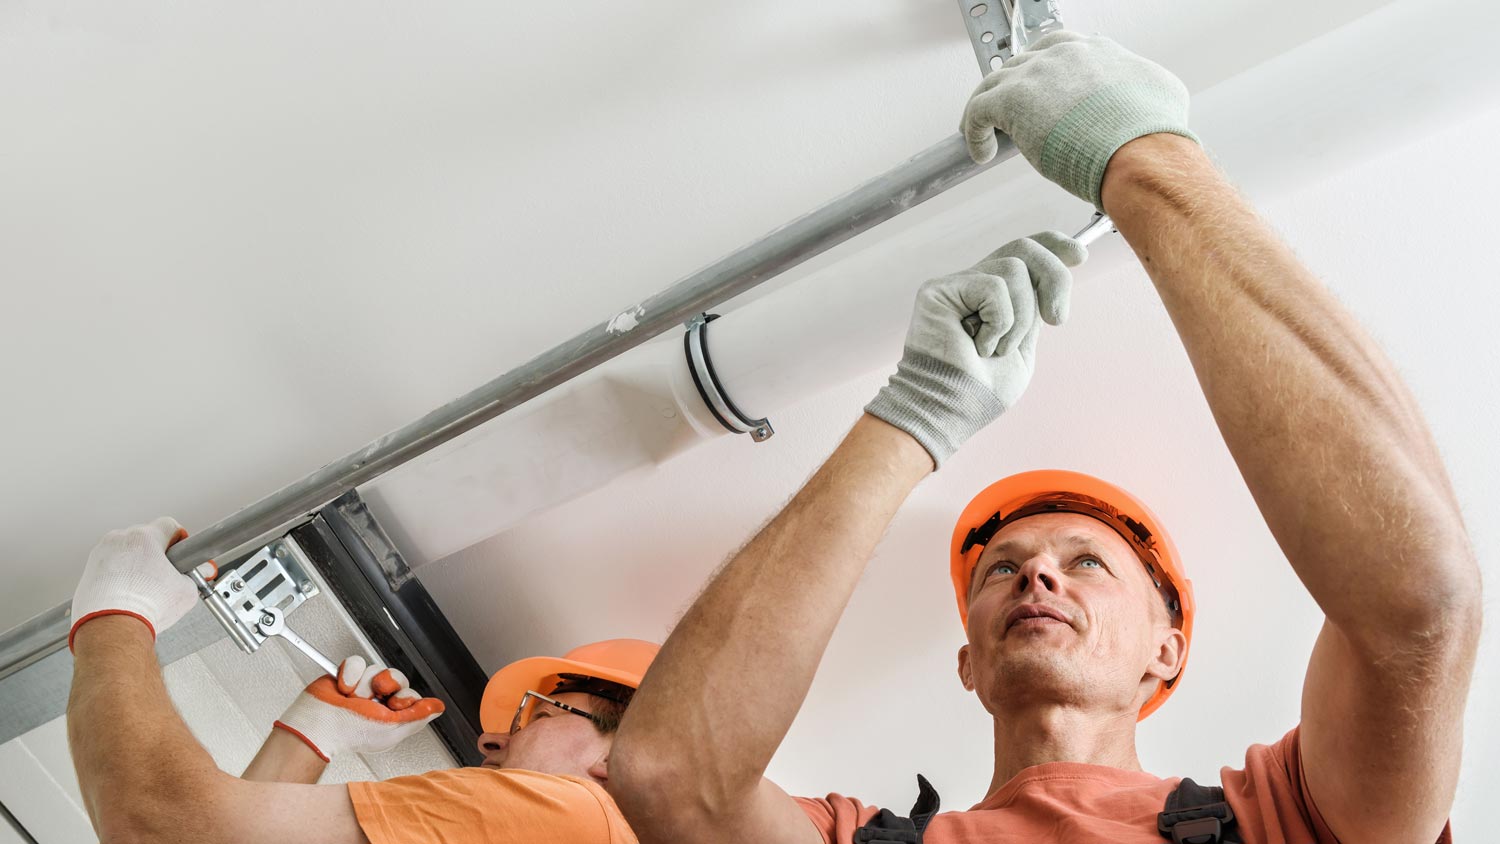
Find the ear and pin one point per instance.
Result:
(965, 672)
(1171, 651)
(600, 769)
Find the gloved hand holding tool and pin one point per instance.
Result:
(128, 573)
(365, 709)
(1069, 102)
(971, 347)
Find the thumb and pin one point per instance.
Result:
(409, 706)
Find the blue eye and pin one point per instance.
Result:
(1087, 560)
(1002, 568)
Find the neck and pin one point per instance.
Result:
(1053, 733)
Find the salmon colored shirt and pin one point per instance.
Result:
(472, 805)
(1071, 803)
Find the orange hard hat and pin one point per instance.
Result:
(1060, 491)
(622, 661)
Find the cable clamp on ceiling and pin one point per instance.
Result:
(695, 342)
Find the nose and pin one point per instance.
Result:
(493, 742)
(1036, 575)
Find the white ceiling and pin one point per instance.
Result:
(239, 241)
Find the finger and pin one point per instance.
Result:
(350, 670)
(1068, 250)
(978, 128)
(423, 709)
(365, 687)
(388, 682)
(164, 532)
(403, 699)
(1023, 302)
(1007, 274)
(986, 296)
(1050, 277)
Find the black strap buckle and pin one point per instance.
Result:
(1197, 831)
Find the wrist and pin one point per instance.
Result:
(1149, 164)
(285, 757)
(907, 457)
(114, 629)
(286, 735)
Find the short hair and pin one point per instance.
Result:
(610, 698)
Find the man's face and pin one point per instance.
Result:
(554, 742)
(1062, 611)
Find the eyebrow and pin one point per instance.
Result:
(1007, 549)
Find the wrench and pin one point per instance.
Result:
(273, 623)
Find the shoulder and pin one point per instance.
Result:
(836, 816)
(1269, 794)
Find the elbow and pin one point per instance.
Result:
(663, 798)
(1435, 621)
(162, 812)
(642, 787)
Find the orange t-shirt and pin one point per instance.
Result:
(1070, 803)
(471, 805)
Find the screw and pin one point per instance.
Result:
(238, 585)
(267, 618)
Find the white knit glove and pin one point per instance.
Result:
(128, 573)
(1069, 102)
(971, 347)
(368, 709)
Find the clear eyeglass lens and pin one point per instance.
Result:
(530, 707)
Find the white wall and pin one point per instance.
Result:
(1398, 236)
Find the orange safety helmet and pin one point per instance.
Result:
(622, 661)
(1059, 491)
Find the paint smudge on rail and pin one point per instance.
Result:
(625, 321)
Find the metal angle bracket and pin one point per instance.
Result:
(997, 32)
(273, 578)
(695, 342)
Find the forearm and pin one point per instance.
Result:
(730, 679)
(1328, 439)
(141, 773)
(285, 758)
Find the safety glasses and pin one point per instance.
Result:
(533, 703)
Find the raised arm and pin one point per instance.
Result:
(689, 761)
(1336, 454)
(143, 776)
(1328, 440)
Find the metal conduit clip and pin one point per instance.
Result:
(695, 342)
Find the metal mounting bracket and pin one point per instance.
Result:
(997, 32)
(695, 341)
(273, 578)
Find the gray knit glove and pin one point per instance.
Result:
(1069, 102)
(971, 347)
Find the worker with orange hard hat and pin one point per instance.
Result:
(1076, 609)
(550, 724)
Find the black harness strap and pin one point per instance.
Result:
(1194, 814)
(1197, 814)
(889, 828)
